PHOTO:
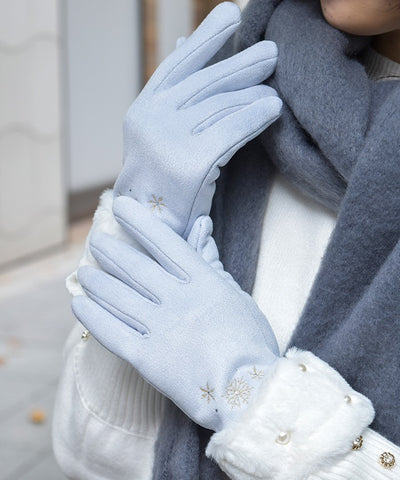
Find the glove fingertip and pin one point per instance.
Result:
(81, 308)
(273, 106)
(271, 46)
(125, 207)
(83, 274)
(228, 10)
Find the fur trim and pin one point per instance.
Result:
(307, 400)
(103, 221)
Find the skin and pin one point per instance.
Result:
(377, 18)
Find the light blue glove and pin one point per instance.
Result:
(189, 120)
(184, 324)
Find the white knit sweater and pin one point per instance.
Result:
(107, 418)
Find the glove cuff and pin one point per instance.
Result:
(304, 418)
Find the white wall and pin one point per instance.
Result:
(32, 198)
(174, 20)
(103, 77)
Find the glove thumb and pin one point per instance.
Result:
(200, 238)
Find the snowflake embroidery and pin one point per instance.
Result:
(257, 374)
(208, 393)
(237, 392)
(157, 203)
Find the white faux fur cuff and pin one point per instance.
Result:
(305, 417)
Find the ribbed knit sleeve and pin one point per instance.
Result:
(379, 67)
(372, 457)
(106, 416)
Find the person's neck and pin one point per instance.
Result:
(388, 45)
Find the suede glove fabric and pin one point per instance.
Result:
(190, 119)
(193, 334)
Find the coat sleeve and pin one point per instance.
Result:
(106, 417)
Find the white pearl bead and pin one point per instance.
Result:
(283, 438)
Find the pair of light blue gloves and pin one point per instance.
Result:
(174, 313)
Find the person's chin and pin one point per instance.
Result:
(337, 14)
(343, 15)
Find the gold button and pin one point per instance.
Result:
(358, 443)
(387, 459)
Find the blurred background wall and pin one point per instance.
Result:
(102, 75)
(69, 70)
(32, 200)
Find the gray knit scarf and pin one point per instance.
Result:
(338, 140)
